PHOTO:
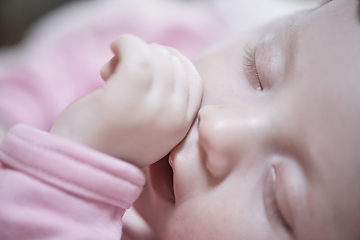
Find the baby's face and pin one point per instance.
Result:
(275, 151)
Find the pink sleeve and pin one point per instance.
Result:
(51, 188)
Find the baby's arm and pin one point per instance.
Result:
(54, 188)
(150, 99)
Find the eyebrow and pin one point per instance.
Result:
(289, 37)
(290, 28)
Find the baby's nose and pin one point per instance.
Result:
(228, 134)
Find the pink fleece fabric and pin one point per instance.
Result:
(52, 188)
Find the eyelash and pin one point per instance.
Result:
(250, 68)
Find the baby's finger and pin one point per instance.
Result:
(195, 82)
(108, 69)
(163, 72)
(134, 61)
(181, 83)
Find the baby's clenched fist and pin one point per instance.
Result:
(150, 99)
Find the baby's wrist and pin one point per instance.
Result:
(73, 124)
(92, 140)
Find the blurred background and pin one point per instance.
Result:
(17, 15)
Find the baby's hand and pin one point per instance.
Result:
(150, 99)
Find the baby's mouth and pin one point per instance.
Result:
(161, 178)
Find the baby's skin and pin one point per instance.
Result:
(147, 105)
(273, 152)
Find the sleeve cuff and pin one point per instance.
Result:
(71, 166)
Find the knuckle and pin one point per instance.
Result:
(139, 70)
(143, 63)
